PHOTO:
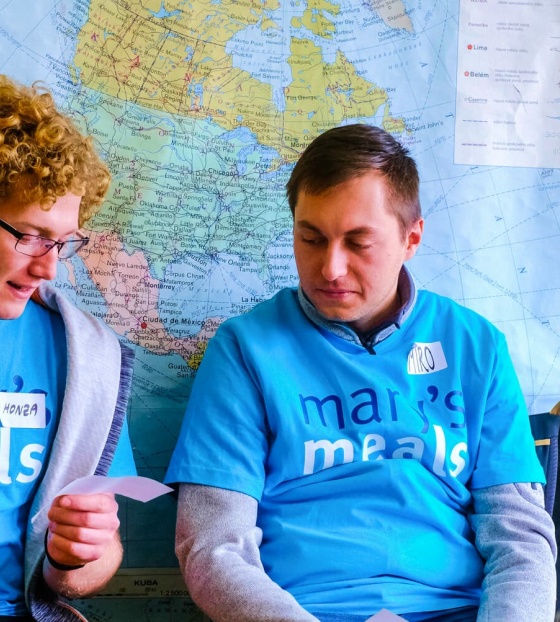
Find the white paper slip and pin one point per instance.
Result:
(385, 616)
(132, 486)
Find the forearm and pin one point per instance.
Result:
(515, 536)
(217, 547)
(88, 580)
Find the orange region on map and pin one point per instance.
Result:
(178, 64)
(131, 294)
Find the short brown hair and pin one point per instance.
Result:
(346, 152)
(43, 155)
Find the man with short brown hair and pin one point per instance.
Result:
(354, 443)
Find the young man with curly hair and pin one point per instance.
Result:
(64, 377)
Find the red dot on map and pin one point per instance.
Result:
(143, 325)
(469, 47)
(466, 74)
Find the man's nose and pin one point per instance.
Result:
(45, 267)
(335, 263)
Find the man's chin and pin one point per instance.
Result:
(12, 311)
(334, 314)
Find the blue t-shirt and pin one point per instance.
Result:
(362, 464)
(33, 372)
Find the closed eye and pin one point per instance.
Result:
(313, 241)
(357, 245)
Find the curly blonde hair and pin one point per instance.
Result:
(43, 155)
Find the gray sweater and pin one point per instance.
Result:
(97, 388)
(218, 550)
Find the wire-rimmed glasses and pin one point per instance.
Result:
(37, 245)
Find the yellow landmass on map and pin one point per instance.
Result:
(315, 19)
(321, 95)
(392, 125)
(179, 64)
(195, 360)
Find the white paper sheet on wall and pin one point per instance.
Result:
(507, 84)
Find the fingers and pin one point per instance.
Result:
(99, 503)
(81, 527)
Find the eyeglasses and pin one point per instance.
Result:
(37, 245)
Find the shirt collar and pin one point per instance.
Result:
(407, 292)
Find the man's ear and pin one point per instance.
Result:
(414, 237)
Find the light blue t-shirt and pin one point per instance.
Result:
(362, 463)
(33, 368)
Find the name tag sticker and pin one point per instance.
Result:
(23, 410)
(426, 358)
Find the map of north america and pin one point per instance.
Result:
(201, 108)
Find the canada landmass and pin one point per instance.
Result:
(166, 104)
(176, 62)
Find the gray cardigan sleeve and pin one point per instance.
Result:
(217, 544)
(515, 536)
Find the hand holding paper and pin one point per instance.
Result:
(81, 529)
(83, 520)
(133, 486)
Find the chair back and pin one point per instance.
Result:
(546, 431)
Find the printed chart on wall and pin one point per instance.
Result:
(201, 108)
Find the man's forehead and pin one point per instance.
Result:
(357, 230)
(359, 202)
(58, 219)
